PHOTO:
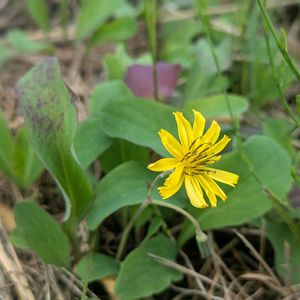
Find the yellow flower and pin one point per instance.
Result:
(192, 157)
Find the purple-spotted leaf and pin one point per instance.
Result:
(139, 78)
(50, 117)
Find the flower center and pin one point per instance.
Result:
(197, 157)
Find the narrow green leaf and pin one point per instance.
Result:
(114, 67)
(27, 167)
(92, 14)
(51, 121)
(22, 43)
(115, 31)
(6, 147)
(94, 266)
(39, 12)
(90, 141)
(42, 234)
(216, 106)
(248, 200)
(141, 276)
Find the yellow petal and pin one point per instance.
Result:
(163, 164)
(220, 145)
(199, 124)
(212, 134)
(208, 190)
(194, 192)
(222, 176)
(171, 144)
(184, 130)
(217, 190)
(172, 183)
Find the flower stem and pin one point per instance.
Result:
(136, 215)
(201, 237)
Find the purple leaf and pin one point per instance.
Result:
(139, 79)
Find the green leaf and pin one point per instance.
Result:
(134, 122)
(216, 106)
(18, 240)
(94, 266)
(39, 12)
(43, 234)
(5, 53)
(280, 130)
(279, 234)
(248, 200)
(26, 165)
(6, 148)
(154, 226)
(90, 141)
(114, 31)
(114, 67)
(106, 92)
(141, 276)
(22, 43)
(51, 121)
(125, 185)
(122, 151)
(201, 79)
(93, 14)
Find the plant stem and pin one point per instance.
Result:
(279, 84)
(200, 236)
(150, 9)
(205, 22)
(84, 291)
(280, 44)
(136, 215)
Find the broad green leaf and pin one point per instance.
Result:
(137, 121)
(94, 266)
(22, 43)
(125, 185)
(280, 130)
(279, 234)
(248, 200)
(51, 121)
(114, 31)
(42, 234)
(114, 68)
(216, 106)
(6, 148)
(122, 151)
(18, 240)
(141, 276)
(106, 92)
(39, 12)
(27, 167)
(90, 141)
(92, 14)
